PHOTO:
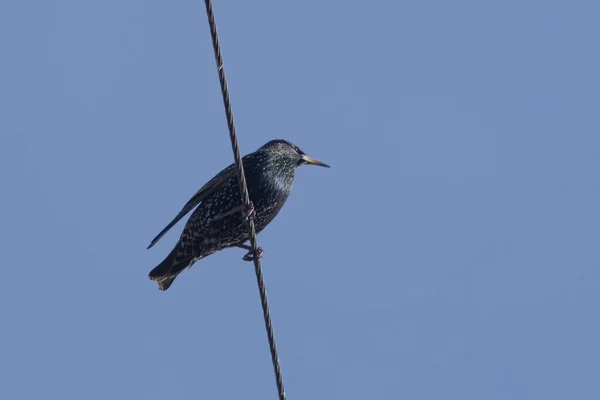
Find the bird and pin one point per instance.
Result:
(220, 220)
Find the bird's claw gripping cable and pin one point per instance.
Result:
(250, 213)
(250, 256)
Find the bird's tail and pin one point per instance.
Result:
(165, 273)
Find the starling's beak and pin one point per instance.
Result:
(310, 160)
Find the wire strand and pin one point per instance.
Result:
(245, 198)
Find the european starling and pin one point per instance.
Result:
(220, 221)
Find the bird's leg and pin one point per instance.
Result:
(242, 246)
(250, 256)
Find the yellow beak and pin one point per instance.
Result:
(312, 161)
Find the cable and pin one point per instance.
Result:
(245, 198)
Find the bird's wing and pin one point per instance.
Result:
(200, 195)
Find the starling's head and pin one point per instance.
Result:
(290, 152)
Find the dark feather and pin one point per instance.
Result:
(165, 273)
(200, 196)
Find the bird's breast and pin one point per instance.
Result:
(268, 194)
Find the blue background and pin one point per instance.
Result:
(450, 252)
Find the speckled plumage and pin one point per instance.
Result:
(220, 219)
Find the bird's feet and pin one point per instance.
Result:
(250, 213)
(250, 256)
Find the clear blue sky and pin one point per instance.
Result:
(451, 252)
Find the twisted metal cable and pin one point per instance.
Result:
(245, 198)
